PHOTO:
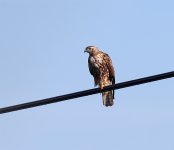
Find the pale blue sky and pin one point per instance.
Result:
(41, 56)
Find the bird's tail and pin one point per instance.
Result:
(107, 98)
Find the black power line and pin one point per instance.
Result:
(87, 92)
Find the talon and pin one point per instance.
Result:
(101, 88)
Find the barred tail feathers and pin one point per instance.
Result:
(107, 98)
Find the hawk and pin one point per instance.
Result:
(100, 66)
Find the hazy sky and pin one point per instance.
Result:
(42, 55)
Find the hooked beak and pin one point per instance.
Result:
(85, 51)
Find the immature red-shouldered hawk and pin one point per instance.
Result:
(100, 66)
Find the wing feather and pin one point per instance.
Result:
(110, 68)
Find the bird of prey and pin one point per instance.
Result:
(100, 66)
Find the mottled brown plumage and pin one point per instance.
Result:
(100, 66)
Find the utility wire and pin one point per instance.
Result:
(87, 92)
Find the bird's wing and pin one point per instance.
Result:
(110, 68)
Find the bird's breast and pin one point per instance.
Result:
(93, 61)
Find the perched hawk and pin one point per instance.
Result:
(100, 66)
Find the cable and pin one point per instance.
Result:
(87, 92)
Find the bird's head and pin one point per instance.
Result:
(91, 50)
